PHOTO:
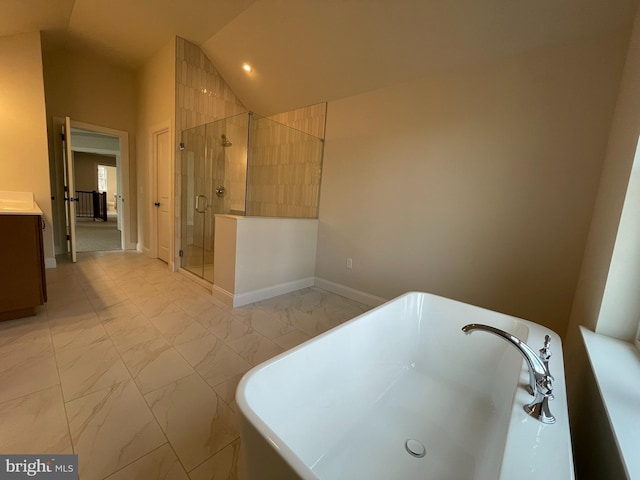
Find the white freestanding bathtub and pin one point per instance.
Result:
(344, 404)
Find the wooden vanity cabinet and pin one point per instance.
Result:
(22, 274)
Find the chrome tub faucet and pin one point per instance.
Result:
(540, 379)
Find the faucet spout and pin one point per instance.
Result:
(537, 369)
(540, 380)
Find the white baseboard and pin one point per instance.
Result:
(50, 262)
(246, 298)
(241, 299)
(352, 293)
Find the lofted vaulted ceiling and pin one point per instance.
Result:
(307, 51)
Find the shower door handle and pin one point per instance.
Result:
(206, 203)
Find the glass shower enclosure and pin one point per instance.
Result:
(213, 169)
(243, 165)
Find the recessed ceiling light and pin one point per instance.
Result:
(246, 67)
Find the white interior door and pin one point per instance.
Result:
(162, 203)
(70, 197)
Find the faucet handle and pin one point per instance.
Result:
(545, 355)
(545, 386)
(545, 351)
(539, 408)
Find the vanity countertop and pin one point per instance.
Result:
(18, 203)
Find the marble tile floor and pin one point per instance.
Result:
(134, 368)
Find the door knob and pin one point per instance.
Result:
(157, 204)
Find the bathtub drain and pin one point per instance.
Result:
(415, 448)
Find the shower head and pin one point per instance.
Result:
(225, 142)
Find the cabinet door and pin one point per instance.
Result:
(21, 270)
(43, 278)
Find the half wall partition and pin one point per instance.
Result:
(244, 165)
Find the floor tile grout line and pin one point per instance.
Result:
(111, 386)
(174, 452)
(64, 403)
(252, 330)
(210, 386)
(211, 456)
(165, 433)
(201, 377)
(164, 386)
(168, 443)
(39, 390)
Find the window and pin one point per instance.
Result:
(102, 178)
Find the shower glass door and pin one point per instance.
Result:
(194, 199)
(214, 165)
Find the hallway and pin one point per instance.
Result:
(98, 236)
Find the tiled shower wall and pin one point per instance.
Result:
(202, 96)
(286, 177)
(311, 119)
(283, 172)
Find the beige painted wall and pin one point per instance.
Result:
(476, 185)
(93, 90)
(156, 107)
(85, 168)
(24, 163)
(85, 173)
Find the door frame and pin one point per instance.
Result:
(156, 131)
(122, 161)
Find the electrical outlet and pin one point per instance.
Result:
(349, 263)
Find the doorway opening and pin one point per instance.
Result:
(96, 181)
(93, 152)
(91, 184)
